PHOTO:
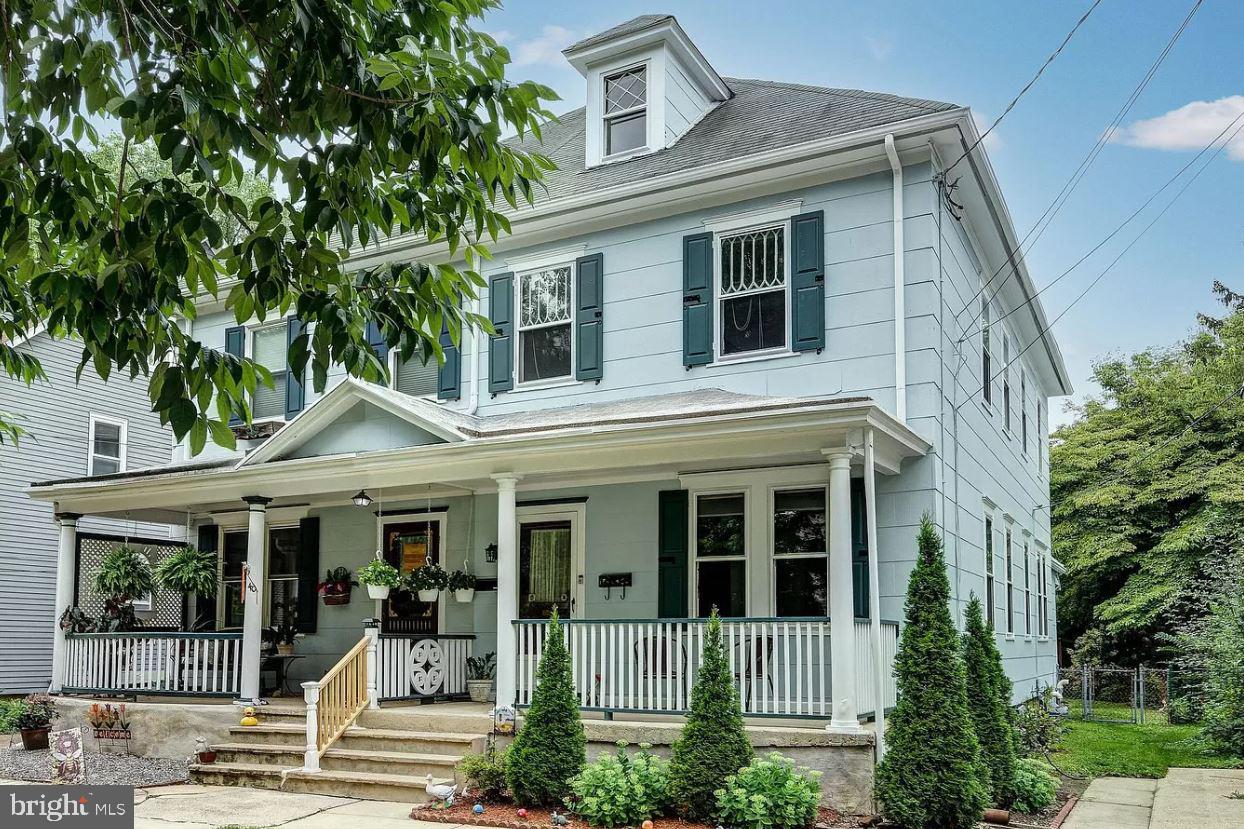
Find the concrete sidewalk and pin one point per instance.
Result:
(211, 807)
(1114, 803)
(1184, 798)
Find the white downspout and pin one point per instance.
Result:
(900, 318)
(473, 405)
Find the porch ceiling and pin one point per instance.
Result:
(653, 448)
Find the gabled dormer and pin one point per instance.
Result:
(647, 84)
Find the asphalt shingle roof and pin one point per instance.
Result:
(761, 116)
(635, 24)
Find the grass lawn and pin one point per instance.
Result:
(1097, 749)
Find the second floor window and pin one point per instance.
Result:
(989, 581)
(415, 377)
(626, 110)
(544, 325)
(1023, 411)
(1006, 384)
(752, 291)
(107, 446)
(986, 357)
(268, 349)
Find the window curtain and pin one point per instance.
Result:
(550, 565)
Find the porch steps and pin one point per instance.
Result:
(341, 759)
(356, 784)
(363, 738)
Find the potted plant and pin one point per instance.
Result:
(34, 720)
(285, 632)
(124, 575)
(480, 670)
(380, 577)
(428, 581)
(336, 586)
(462, 584)
(188, 570)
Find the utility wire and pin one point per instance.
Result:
(1028, 85)
(1046, 219)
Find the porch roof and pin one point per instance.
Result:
(648, 438)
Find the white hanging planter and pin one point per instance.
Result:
(378, 591)
(466, 595)
(428, 596)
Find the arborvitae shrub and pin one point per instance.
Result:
(987, 682)
(932, 776)
(713, 744)
(551, 747)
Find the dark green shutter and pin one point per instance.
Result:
(295, 392)
(205, 606)
(590, 317)
(501, 344)
(449, 375)
(697, 299)
(308, 573)
(859, 548)
(808, 281)
(672, 554)
(235, 344)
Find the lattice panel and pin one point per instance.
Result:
(626, 90)
(165, 605)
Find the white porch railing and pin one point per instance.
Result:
(189, 664)
(422, 666)
(780, 666)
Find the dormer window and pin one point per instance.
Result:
(626, 110)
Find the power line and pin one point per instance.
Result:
(1076, 177)
(1028, 85)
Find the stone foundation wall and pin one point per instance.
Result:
(158, 729)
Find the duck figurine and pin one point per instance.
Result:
(248, 716)
(440, 791)
(559, 819)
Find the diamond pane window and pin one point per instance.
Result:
(626, 90)
(544, 304)
(626, 113)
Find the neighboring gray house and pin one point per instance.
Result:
(83, 429)
(740, 350)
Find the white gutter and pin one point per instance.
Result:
(900, 318)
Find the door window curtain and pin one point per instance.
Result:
(550, 565)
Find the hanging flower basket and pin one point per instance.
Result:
(462, 584)
(465, 595)
(380, 577)
(427, 581)
(428, 596)
(378, 592)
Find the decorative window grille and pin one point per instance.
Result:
(545, 306)
(626, 110)
(752, 290)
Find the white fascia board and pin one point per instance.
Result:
(669, 33)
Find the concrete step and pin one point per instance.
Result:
(361, 785)
(426, 718)
(406, 764)
(364, 739)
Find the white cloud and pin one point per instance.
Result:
(1190, 127)
(879, 47)
(544, 49)
(993, 141)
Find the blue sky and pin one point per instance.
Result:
(980, 54)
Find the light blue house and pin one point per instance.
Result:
(744, 342)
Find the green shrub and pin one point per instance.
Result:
(1224, 681)
(713, 744)
(989, 702)
(769, 793)
(9, 709)
(932, 776)
(1038, 731)
(551, 747)
(1034, 787)
(617, 790)
(484, 774)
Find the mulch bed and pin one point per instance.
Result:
(505, 816)
(1067, 789)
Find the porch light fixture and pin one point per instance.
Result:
(362, 499)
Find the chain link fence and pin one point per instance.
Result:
(1141, 696)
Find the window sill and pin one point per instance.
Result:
(545, 384)
(623, 156)
(1010, 637)
(758, 357)
(1043, 638)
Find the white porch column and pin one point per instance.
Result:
(507, 587)
(66, 553)
(371, 629)
(841, 602)
(253, 580)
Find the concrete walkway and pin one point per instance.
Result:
(1184, 798)
(211, 807)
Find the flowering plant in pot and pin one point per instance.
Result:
(34, 720)
(462, 584)
(336, 586)
(380, 577)
(480, 671)
(427, 581)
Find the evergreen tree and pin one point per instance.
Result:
(932, 776)
(989, 698)
(551, 747)
(713, 744)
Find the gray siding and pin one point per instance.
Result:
(56, 414)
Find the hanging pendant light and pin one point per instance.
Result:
(362, 499)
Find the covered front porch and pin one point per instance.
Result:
(632, 521)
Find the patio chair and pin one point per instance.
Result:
(754, 653)
(671, 663)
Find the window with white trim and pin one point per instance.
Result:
(545, 310)
(1027, 592)
(1010, 586)
(986, 355)
(416, 377)
(1023, 410)
(800, 552)
(626, 110)
(281, 597)
(752, 291)
(106, 446)
(1043, 623)
(1040, 441)
(721, 554)
(990, 602)
(269, 348)
(1006, 383)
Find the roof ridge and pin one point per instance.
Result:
(848, 92)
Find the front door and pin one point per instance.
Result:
(408, 546)
(550, 551)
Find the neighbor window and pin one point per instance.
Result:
(990, 612)
(626, 110)
(107, 446)
(1043, 627)
(1010, 586)
(1023, 410)
(752, 291)
(416, 377)
(1027, 592)
(281, 598)
(1006, 384)
(800, 553)
(720, 552)
(268, 349)
(544, 335)
(1040, 441)
(986, 357)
